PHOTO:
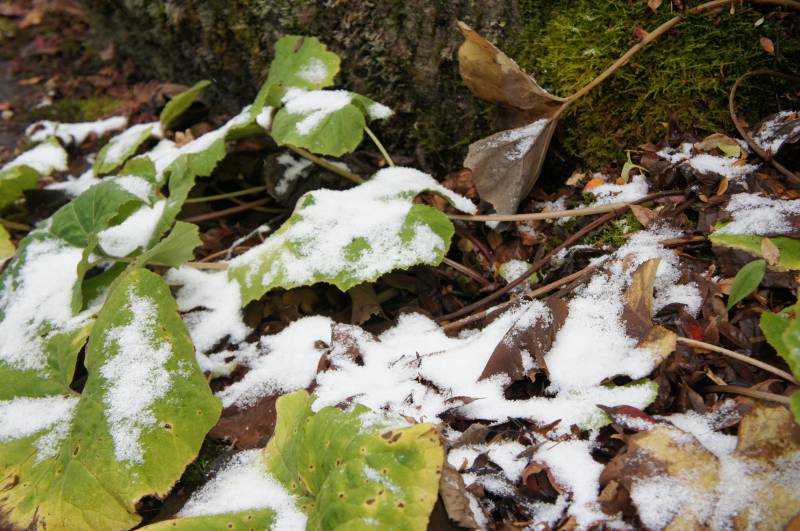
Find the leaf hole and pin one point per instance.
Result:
(370, 501)
(75, 451)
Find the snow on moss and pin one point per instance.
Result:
(704, 163)
(620, 193)
(74, 133)
(136, 377)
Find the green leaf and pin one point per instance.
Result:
(176, 248)
(7, 249)
(731, 150)
(746, 281)
(349, 471)
(379, 230)
(138, 422)
(789, 248)
(177, 105)
(302, 62)
(24, 172)
(774, 325)
(14, 181)
(791, 343)
(794, 405)
(252, 519)
(123, 146)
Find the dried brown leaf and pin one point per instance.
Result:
(766, 44)
(365, 303)
(654, 5)
(454, 496)
(770, 251)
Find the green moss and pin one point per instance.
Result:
(76, 110)
(685, 76)
(615, 233)
(7, 28)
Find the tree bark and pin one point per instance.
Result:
(399, 52)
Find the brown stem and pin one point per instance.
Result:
(13, 225)
(227, 211)
(744, 391)
(794, 179)
(319, 161)
(741, 357)
(223, 252)
(466, 270)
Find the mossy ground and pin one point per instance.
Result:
(683, 78)
(76, 109)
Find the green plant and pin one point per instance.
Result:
(746, 281)
(782, 330)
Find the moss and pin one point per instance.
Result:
(76, 110)
(7, 29)
(684, 77)
(615, 233)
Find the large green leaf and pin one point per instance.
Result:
(351, 471)
(329, 122)
(138, 422)
(177, 105)
(14, 181)
(23, 172)
(789, 247)
(123, 146)
(7, 249)
(352, 236)
(302, 62)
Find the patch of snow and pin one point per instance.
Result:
(295, 168)
(264, 118)
(757, 215)
(315, 106)
(772, 133)
(704, 163)
(523, 137)
(44, 158)
(22, 417)
(606, 194)
(378, 111)
(244, 484)
(133, 233)
(135, 185)
(74, 187)
(123, 143)
(314, 71)
(135, 376)
(213, 303)
(74, 133)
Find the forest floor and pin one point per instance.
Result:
(592, 369)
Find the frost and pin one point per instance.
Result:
(524, 137)
(136, 377)
(74, 133)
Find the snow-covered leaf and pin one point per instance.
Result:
(301, 62)
(123, 146)
(381, 230)
(23, 172)
(329, 122)
(178, 104)
(353, 469)
(71, 461)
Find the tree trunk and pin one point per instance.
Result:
(401, 53)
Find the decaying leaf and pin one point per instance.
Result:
(638, 310)
(455, 498)
(770, 252)
(507, 164)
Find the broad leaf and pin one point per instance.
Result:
(302, 62)
(176, 248)
(177, 105)
(7, 248)
(350, 470)
(746, 281)
(329, 122)
(83, 462)
(791, 342)
(23, 172)
(788, 248)
(123, 146)
(381, 229)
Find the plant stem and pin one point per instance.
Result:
(319, 161)
(217, 197)
(195, 265)
(14, 225)
(466, 270)
(379, 145)
(741, 357)
(575, 212)
(744, 391)
(227, 211)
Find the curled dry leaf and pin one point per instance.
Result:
(506, 165)
(637, 311)
(454, 495)
(770, 252)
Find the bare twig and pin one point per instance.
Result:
(228, 195)
(741, 357)
(13, 225)
(331, 167)
(227, 211)
(744, 391)
(467, 271)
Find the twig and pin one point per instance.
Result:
(223, 252)
(534, 268)
(217, 197)
(14, 225)
(744, 391)
(672, 242)
(227, 211)
(743, 132)
(466, 270)
(319, 161)
(194, 265)
(531, 294)
(741, 357)
(377, 142)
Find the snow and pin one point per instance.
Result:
(705, 163)
(523, 137)
(280, 363)
(134, 233)
(376, 214)
(757, 215)
(314, 71)
(214, 307)
(264, 118)
(38, 296)
(120, 145)
(606, 194)
(315, 106)
(773, 133)
(295, 168)
(74, 187)
(44, 159)
(135, 377)
(244, 484)
(504, 454)
(135, 185)
(22, 417)
(513, 269)
(74, 133)
(378, 111)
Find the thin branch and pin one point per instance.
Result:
(466, 270)
(377, 142)
(741, 357)
(217, 197)
(223, 252)
(319, 161)
(227, 211)
(743, 132)
(13, 225)
(744, 391)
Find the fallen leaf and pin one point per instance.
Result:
(594, 183)
(767, 45)
(249, 427)
(644, 215)
(770, 251)
(455, 497)
(637, 311)
(654, 5)
(365, 303)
